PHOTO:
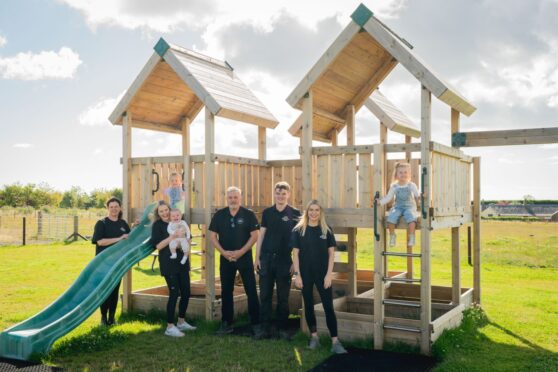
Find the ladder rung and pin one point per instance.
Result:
(401, 303)
(196, 269)
(401, 328)
(401, 254)
(401, 280)
(199, 253)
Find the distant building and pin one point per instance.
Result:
(541, 211)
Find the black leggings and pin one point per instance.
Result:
(109, 306)
(308, 282)
(179, 285)
(228, 273)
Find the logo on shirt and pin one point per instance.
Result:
(323, 236)
(285, 218)
(240, 221)
(122, 229)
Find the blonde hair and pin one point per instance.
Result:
(282, 185)
(304, 219)
(397, 166)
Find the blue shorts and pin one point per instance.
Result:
(396, 213)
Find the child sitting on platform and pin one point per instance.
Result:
(406, 198)
(175, 192)
(176, 224)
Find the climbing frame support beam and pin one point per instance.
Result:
(535, 136)
(476, 231)
(126, 188)
(209, 266)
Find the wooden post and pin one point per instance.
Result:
(352, 232)
(306, 141)
(209, 190)
(426, 238)
(187, 169)
(262, 144)
(39, 224)
(76, 228)
(24, 232)
(455, 252)
(334, 137)
(408, 139)
(126, 187)
(476, 231)
(386, 181)
(350, 121)
(379, 270)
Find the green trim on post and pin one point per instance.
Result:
(161, 47)
(458, 139)
(361, 15)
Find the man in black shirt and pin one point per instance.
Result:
(273, 257)
(233, 231)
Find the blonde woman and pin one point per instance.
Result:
(313, 256)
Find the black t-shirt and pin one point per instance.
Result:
(235, 231)
(166, 265)
(277, 238)
(108, 229)
(313, 248)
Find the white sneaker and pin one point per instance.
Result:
(185, 327)
(173, 256)
(183, 260)
(173, 332)
(392, 240)
(411, 242)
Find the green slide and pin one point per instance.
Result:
(85, 295)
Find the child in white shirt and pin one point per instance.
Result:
(177, 224)
(406, 198)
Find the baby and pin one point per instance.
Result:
(406, 197)
(176, 224)
(175, 192)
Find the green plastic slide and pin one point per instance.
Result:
(85, 295)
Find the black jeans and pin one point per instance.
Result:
(228, 272)
(110, 304)
(309, 279)
(179, 285)
(274, 273)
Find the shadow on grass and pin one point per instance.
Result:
(147, 270)
(468, 348)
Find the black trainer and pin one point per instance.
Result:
(258, 332)
(224, 329)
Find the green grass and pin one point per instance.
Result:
(518, 329)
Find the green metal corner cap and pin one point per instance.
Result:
(361, 15)
(458, 139)
(161, 47)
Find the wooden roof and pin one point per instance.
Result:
(354, 66)
(176, 83)
(388, 114)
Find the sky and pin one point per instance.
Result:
(65, 63)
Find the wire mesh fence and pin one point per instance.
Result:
(39, 227)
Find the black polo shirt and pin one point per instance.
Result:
(313, 248)
(167, 266)
(277, 239)
(108, 229)
(235, 231)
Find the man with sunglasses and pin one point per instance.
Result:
(233, 231)
(273, 258)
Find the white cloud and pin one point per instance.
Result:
(22, 145)
(97, 114)
(43, 65)
(549, 146)
(3, 41)
(510, 161)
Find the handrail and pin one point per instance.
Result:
(376, 235)
(422, 206)
(153, 172)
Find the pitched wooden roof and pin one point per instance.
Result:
(354, 66)
(177, 82)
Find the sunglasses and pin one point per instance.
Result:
(232, 222)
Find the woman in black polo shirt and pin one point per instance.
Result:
(313, 256)
(108, 231)
(176, 275)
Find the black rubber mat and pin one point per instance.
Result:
(293, 326)
(24, 366)
(377, 361)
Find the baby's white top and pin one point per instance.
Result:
(174, 226)
(391, 193)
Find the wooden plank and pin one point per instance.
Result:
(450, 151)
(476, 230)
(158, 127)
(209, 176)
(237, 160)
(417, 68)
(352, 285)
(364, 181)
(187, 169)
(339, 150)
(322, 64)
(350, 177)
(322, 182)
(403, 147)
(306, 144)
(508, 137)
(336, 184)
(126, 212)
(426, 237)
(262, 147)
(340, 267)
(379, 267)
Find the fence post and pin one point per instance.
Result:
(24, 229)
(76, 228)
(39, 224)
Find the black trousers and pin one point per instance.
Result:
(309, 280)
(275, 273)
(108, 308)
(179, 285)
(228, 271)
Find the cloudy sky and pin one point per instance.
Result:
(64, 63)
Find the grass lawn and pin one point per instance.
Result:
(518, 329)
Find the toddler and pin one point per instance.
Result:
(175, 192)
(406, 197)
(176, 224)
